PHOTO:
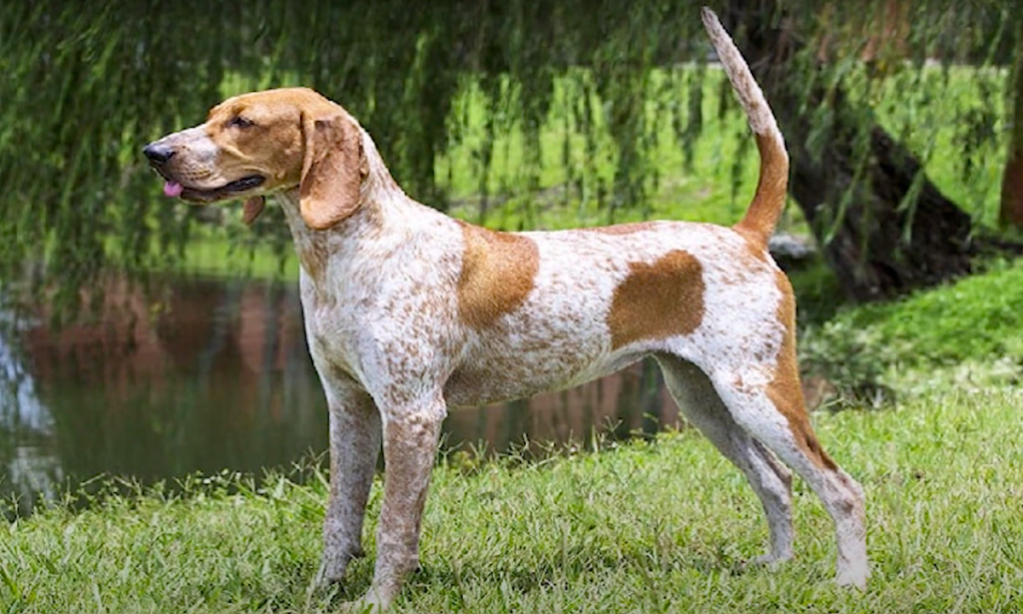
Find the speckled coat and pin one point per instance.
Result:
(409, 312)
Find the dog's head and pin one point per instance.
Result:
(257, 144)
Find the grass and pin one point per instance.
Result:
(965, 334)
(641, 527)
(968, 319)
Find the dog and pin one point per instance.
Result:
(409, 312)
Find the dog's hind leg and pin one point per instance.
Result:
(773, 412)
(772, 481)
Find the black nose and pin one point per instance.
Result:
(158, 154)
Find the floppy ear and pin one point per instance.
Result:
(332, 170)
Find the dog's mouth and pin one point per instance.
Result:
(253, 205)
(229, 190)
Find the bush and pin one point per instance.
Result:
(966, 333)
(978, 317)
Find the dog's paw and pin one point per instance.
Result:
(326, 576)
(332, 568)
(853, 576)
(366, 605)
(376, 600)
(771, 560)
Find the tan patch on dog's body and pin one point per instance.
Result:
(658, 300)
(498, 271)
(784, 389)
(755, 247)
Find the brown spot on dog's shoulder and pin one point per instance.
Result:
(498, 270)
(785, 390)
(658, 300)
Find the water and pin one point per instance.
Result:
(205, 374)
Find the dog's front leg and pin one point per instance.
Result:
(410, 447)
(354, 447)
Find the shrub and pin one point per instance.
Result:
(966, 333)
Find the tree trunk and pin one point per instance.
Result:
(856, 189)
(1010, 213)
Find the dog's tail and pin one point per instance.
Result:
(764, 211)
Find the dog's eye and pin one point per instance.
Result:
(239, 122)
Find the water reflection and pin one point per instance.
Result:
(199, 374)
(26, 424)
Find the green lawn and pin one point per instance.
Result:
(967, 334)
(641, 527)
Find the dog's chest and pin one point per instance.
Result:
(333, 342)
(378, 325)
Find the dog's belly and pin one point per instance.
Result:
(535, 351)
(495, 379)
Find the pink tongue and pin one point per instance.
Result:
(172, 189)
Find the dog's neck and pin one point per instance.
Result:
(384, 209)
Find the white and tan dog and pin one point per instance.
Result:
(409, 312)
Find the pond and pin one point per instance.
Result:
(198, 374)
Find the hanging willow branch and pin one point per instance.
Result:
(86, 84)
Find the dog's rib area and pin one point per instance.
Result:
(601, 301)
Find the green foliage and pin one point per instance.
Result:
(952, 118)
(85, 89)
(968, 333)
(975, 318)
(854, 360)
(664, 526)
(590, 87)
(578, 160)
